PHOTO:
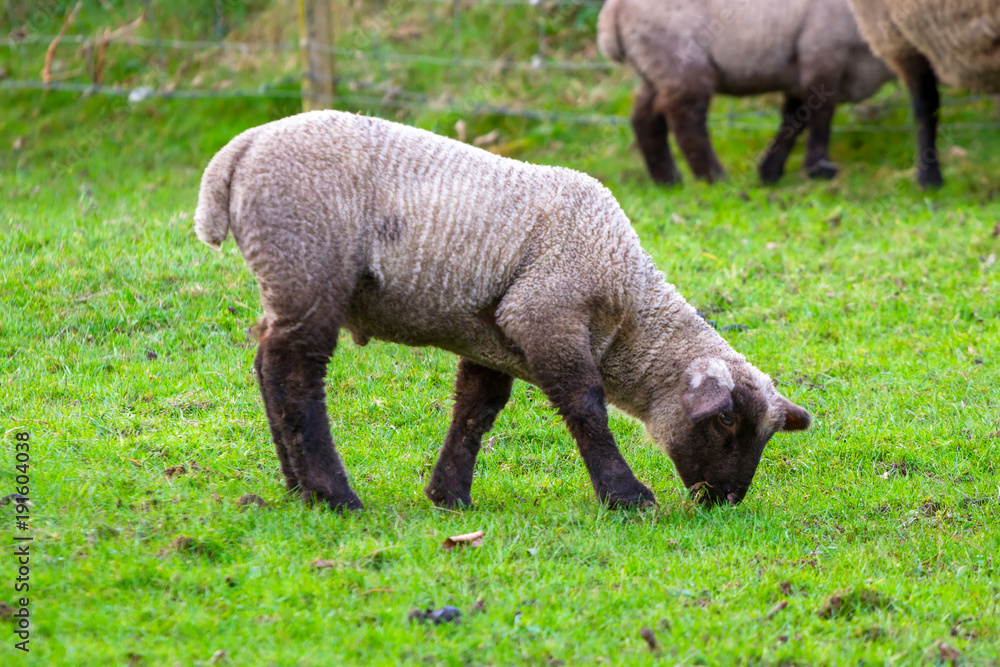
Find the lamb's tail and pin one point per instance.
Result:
(211, 218)
(609, 39)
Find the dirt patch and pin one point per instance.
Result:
(650, 637)
(930, 508)
(896, 469)
(946, 652)
(174, 471)
(845, 604)
(446, 614)
(189, 546)
(872, 634)
(251, 499)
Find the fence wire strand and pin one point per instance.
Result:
(368, 94)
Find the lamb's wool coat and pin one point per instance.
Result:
(961, 38)
(399, 234)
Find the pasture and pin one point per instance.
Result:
(125, 352)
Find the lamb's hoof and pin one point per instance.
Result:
(351, 502)
(449, 500)
(636, 497)
(338, 503)
(823, 169)
(930, 178)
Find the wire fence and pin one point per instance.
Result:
(532, 59)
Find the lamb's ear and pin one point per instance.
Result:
(707, 398)
(796, 418)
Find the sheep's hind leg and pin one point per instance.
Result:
(688, 117)
(569, 376)
(292, 369)
(926, 101)
(772, 167)
(480, 395)
(650, 127)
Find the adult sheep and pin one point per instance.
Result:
(685, 51)
(524, 271)
(956, 41)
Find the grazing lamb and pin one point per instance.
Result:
(957, 41)
(685, 51)
(524, 271)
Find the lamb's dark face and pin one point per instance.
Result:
(717, 437)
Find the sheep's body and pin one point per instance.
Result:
(961, 38)
(685, 51)
(956, 41)
(522, 270)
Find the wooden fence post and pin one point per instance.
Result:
(318, 60)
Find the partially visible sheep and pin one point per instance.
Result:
(524, 271)
(957, 41)
(685, 51)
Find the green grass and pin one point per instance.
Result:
(124, 352)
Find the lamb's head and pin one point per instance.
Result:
(715, 425)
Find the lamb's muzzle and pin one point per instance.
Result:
(524, 271)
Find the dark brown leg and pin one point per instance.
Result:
(793, 121)
(480, 394)
(926, 101)
(291, 479)
(688, 118)
(293, 367)
(569, 377)
(650, 127)
(821, 102)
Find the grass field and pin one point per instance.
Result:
(869, 539)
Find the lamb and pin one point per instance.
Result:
(685, 51)
(957, 41)
(524, 271)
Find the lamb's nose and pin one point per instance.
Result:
(733, 498)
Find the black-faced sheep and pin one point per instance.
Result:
(956, 41)
(524, 271)
(686, 51)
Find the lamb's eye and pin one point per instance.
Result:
(727, 419)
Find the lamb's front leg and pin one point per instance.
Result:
(292, 368)
(565, 370)
(480, 394)
(772, 167)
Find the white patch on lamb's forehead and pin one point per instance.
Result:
(770, 421)
(712, 368)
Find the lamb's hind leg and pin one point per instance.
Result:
(291, 479)
(650, 127)
(292, 367)
(687, 114)
(480, 394)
